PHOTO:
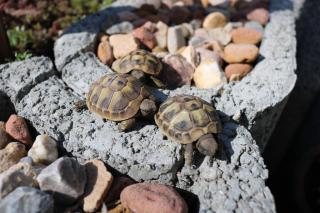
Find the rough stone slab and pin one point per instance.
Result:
(17, 78)
(79, 79)
(145, 155)
(233, 181)
(260, 97)
(87, 136)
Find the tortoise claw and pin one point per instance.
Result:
(126, 125)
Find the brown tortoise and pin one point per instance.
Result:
(120, 97)
(141, 64)
(186, 119)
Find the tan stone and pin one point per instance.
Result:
(260, 15)
(44, 150)
(246, 36)
(209, 55)
(161, 34)
(235, 72)
(105, 53)
(191, 55)
(240, 53)
(209, 74)
(175, 39)
(99, 181)
(145, 36)
(214, 20)
(11, 155)
(221, 35)
(123, 44)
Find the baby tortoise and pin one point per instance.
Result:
(120, 97)
(186, 119)
(140, 63)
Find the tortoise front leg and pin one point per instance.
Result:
(80, 105)
(188, 154)
(126, 125)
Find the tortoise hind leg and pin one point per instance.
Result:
(188, 154)
(126, 125)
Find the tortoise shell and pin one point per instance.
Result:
(185, 118)
(116, 97)
(138, 60)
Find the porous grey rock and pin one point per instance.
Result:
(17, 79)
(65, 179)
(27, 200)
(144, 154)
(262, 95)
(73, 72)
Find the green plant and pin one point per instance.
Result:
(22, 56)
(19, 37)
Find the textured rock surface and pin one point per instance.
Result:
(144, 154)
(236, 177)
(65, 179)
(11, 155)
(21, 174)
(28, 200)
(99, 181)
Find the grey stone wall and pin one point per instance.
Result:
(232, 181)
(259, 98)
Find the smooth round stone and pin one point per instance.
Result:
(259, 15)
(246, 36)
(255, 26)
(179, 15)
(175, 39)
(240, 53)
(17, 128)
(191, 55)
(222, 35)
(156, 198)
(105, 53)
(209, 74)
(176, 71)
(119, 49)
(145, 36)
(214, 20)
(11, 155)
(209, 55)
(44, 150)
(161, 34)
(235, 72)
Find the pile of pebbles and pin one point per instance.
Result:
(202, 44)
(33, 178)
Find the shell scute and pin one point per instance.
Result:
(116, 97)
(185, 118)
